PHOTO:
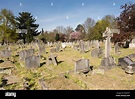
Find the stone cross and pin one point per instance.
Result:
(108, 34)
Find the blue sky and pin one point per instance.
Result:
(53, 13)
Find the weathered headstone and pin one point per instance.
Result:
(81, 46)
(57, 47)
(82, 66)
(117, 49)
(127, 64)
(25, 53)
(52, 59)
(97, 53)
(132, 44)
(32, 62)
(63, 45)
(41, 48)
(5, 53)
(125, 61)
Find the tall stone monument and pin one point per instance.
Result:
(108, 61)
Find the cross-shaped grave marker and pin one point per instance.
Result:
(108, 61)
(108, 34)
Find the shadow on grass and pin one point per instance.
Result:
(1, 61)
(60, 62)
(41, 64)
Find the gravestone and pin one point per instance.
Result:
(117, 49)
(86, 46)
(32, 62)
(52, 59)
(108, 61)
(89, 44)
(5, 53)
(97, 53)
(57, 47)
(125, 61)
(52, 50)
(132, 44)
(25, 53)
(96, 43)
(76, 47)
(82, 66)
(41, 48)
(127, 64)
(81, 46)
(63, 45)
(22, 55)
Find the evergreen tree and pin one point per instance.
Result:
(26, 21)
(57, 37)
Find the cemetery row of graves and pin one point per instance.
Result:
(67, 65)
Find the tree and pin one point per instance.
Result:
(88, 23)
(60, 29)
(7, 26)
(57, 37)
(26, 21)
(80, 29)
(68, 30)
(126, 23)
(100, 26)
(111, 21)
